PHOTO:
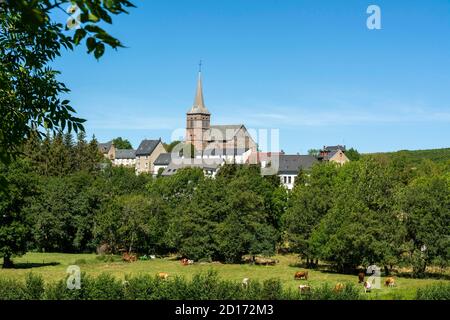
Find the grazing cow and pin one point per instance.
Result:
(245, 282)
(301, 275)
(163, 275)
(390, 282)
(361, 277)
(129, 257)
(190, 261)
(339, 287)
(367, 286)
(184, 261)
(304, 288)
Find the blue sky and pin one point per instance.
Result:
(311, 69)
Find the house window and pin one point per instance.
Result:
(285, 179)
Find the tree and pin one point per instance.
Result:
(361, 227)
(29, 41)
(134, 222)
(169, 147)
(120, 143)
(424, 206)
(314, 152)
(352, 154)
(307, 205)
(226, 217)
(61, 213)
(14, 227)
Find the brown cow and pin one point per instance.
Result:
(129, 257)
(301, 275)
(338, 287)
(184, 261)
(390, 282)
(163, 275)
(361, 277)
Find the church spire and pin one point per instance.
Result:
(199, 103)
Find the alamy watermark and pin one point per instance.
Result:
(74, 279)
(374, 20)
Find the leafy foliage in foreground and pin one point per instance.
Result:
(440, 291)
(203, 286)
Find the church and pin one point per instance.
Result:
(210, 139)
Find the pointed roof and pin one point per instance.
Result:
(199, 103)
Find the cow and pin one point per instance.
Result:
(163, 275)
(361, 276)
(190, 262)
(184, 261)
(129, 257)
(301, 275)
(338, 287)
(367, 286)
(304, 288)
(390, 282)
(245, 282)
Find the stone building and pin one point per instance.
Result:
(204, 136)
(334, 154)
(146, 154)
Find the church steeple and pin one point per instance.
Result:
(199, 102)
(198, 118)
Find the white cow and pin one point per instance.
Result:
(367, 286)
(304, 288)
(245, 282)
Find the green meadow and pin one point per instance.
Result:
(53, 266)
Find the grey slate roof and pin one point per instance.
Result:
(291, 164)
(125, 154)
(223, 132)
(333, 148)
(146, 147)
(163, 159)
(173, 168)
(104, 147)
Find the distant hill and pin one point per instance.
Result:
(416, 156)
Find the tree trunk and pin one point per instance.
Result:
(7, 262)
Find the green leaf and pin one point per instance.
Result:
(79, 35)
(99, 50)
(91, 44)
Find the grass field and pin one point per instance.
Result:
(52, 267)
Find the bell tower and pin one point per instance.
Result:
(198, 119)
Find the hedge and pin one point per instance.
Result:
(202, 286)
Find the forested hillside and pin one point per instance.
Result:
(416, 156)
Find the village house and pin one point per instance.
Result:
(209, 167)
(334, 154)
(108, 150)
(161, 163)
(289, 167)
(146, 154)
(125, 157)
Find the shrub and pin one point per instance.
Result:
(11, 289)
(272, 290)
(438, 291)
(34, 286)
(104, 287)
